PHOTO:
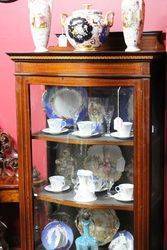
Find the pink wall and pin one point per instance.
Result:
(15, 36)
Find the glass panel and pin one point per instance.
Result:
(91, 148)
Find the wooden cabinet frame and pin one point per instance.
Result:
(93, 69)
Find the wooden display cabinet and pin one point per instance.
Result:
(101, 73)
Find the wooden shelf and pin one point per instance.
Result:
(70, 139)
(67, 199)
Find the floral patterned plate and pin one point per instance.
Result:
(106, 162)
(104, 226)
(67, 103)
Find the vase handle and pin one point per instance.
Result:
(63, 19)
(109, 19)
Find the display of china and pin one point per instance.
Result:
(56, 124)
(133, 12)
(87, 29)
(57, 235)
(57, 182)
(86, 241)
(85, 189)
(123, 240)
(104, 226)
(87, 127)
(67, 103)
(105, 161)
(124, 129)
(124, 192)
(40, 22)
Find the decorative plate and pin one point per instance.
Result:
(104, 226)
(106, 162)
(57, 235)
(123, 240)
(67, 103)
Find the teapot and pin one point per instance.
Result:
(87, 29)
(85, 190)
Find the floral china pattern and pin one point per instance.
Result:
(87, 29)
(103, 161)
(40, 21)
(133, 22)
(104, 226)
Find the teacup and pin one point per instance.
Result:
(125, 129)
(57, 182)
(56, 124)
(126, 190)
(87, 127)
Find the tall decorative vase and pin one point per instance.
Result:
(133, 12)
(40, 21)
(86, 241)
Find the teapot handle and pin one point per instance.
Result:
(63, 18)
(109, 19)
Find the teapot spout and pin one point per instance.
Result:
(109, 19)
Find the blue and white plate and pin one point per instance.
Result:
(123, 240)
(67, 103)
(57, 235)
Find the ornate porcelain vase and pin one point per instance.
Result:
(40, 21)
(86, 241)
(87, 29)
(133, 12)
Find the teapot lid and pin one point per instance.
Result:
(87, 8)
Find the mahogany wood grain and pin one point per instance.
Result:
(9, 195)
(101, 68)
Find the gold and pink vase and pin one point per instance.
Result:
(133, 12)
(40, 22)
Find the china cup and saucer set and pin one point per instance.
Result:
(87, 186)
(87, 129)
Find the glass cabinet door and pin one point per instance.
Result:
(83, 166)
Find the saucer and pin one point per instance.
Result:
(117, 135)
(121, 197)
(54, 132)
(79, 134)
(49, 189)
